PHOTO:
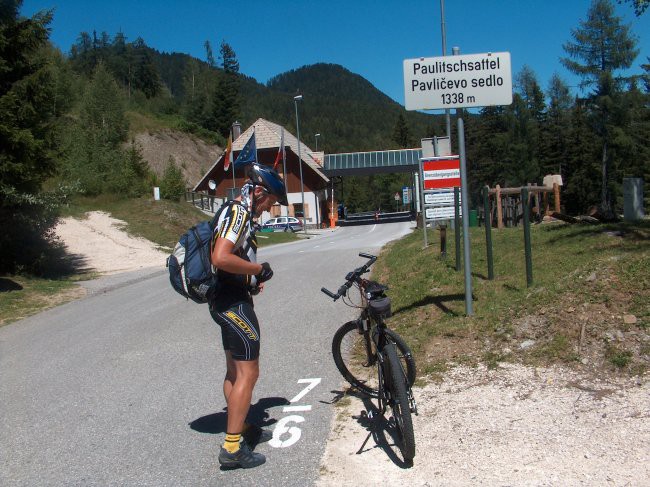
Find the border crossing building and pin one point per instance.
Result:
(267, 139)
(317, 169)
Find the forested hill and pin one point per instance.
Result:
(345, 108)
(349, 112)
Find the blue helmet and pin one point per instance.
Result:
(271, 180)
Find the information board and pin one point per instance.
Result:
(474, 80)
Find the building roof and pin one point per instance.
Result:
(267, 136)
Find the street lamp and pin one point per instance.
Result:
(316, 137)
(296, 99)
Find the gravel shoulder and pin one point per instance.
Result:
(514, 425)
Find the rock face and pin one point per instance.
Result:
(193, 155)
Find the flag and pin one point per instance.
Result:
(227, 157)
(248, 154)
(281, 152)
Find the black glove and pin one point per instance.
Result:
(266, 273)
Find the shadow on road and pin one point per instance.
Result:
(258, 414)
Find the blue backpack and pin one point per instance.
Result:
(190, 271)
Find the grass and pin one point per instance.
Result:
(584, 277)
(23, 296)
(265, 239)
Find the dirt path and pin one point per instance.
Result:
(510, 426)
(105, 247)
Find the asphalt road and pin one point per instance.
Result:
(123, 387)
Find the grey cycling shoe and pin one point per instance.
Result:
(254, 435)
(244, 457)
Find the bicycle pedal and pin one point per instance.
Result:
(413, 405)
(371, 415)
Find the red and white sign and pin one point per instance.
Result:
(441, 172)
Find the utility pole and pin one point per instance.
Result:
(444, 53)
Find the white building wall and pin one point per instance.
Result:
(310, 201)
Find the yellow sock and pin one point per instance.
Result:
(231, 445)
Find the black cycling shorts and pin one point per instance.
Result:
(240, 331)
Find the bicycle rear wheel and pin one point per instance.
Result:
(355, 356)
(396, 382)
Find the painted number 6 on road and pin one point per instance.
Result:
(281, 428)
(294, 432)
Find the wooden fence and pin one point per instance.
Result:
(507, 209)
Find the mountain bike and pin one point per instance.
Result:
(374, 359)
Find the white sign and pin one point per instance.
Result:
(475, 80)
(444, 198)
(442, 213)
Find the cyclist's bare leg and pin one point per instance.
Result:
(239, 393)
(231, 375)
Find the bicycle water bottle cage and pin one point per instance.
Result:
(380, 307)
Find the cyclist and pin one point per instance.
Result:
(233, 255)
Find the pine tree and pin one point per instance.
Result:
(27, 142)
(401, 134)
(580, 189)
(143, 73)
(173, 184)
(601, 46)
(646, 76)
(209, 56)
(555, 131)
(93, 147)
(225, 97)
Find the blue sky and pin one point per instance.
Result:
(370, 38)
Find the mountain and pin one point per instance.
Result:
(345, 108)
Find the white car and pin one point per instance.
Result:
(283, 224)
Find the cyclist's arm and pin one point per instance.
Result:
(223, 258)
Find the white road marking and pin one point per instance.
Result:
(287, 409)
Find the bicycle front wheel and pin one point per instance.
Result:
(355, 356)
(396, 382)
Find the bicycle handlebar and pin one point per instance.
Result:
(352, 277)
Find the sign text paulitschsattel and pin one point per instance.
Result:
(475, 80)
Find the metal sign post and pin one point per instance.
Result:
(469, 309)
(421, 207)
(475, 80)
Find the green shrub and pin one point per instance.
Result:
(173, 184)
